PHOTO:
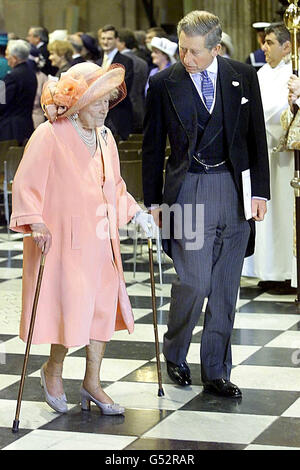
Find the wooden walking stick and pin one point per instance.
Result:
(292, 23)
(150, 250)
(15, 427)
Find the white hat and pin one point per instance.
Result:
(58, 35)
(166, 46)
(226, 40)
(260, 25)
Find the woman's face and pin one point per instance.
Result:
(55, 59)
(158, 57)
(94, 114)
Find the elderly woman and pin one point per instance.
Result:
(69, 194)
(61, 53)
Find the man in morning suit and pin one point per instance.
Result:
(120, 118)
(20, 89)
(210, 109)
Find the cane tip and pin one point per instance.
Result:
(15, 427)
(161, 392)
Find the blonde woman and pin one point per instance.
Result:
(61, 53)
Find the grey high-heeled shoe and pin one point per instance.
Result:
(106, 409)
(58, 404)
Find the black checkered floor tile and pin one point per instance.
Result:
(266, 365)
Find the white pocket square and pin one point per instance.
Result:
(244, 100)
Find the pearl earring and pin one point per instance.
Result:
(75, 116)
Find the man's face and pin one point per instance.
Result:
(195, 57)
(149, 37)
(11, 60)
(34, 40)
(108, 41)
(274, 51)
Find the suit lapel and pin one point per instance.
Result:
(179, 87)
(232, 92)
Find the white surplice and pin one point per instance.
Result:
(273, 256)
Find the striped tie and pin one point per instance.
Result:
(207, 89)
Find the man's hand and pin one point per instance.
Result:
(294, 85)
(259, 209)
(42, 237)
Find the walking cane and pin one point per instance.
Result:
(15, 427)
(150, 250)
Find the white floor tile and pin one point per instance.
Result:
(267, 378)
(211, 427)
(13, 245)
(288, 339)
(240, 353)
(262, 447)
(163, 290)
(17, 346)
(33, 414)
(8, 380)
(137, 277)
(144, 395)
(10, 307)
(111, 369)
(242, 302)
(14, 285)
(10, 273)
(261, 321)
(145, 332)
(62, 440)
(275, 298)
(139, 313)
(248, 281)
(293, 411)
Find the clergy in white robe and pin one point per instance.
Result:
(273, 257)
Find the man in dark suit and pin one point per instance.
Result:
(38, 37)
(127, 45)
(120, 118)
(77, 44)
(210, 109)
(20, 89)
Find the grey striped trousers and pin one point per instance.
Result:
(212, 271)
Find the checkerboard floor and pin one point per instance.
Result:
(266, 365)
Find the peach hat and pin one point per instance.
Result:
(81, 85)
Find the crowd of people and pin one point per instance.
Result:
(43, 55)
(228, 125)
(143, 54)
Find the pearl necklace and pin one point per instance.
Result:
(89, 140)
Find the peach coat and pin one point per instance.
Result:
(56, 184)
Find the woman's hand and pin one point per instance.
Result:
(42, 237)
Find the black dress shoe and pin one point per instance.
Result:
(180, 374)
(223, 388)
(270, 284)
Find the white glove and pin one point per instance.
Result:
(145, 222)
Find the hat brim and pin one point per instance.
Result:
(112, 79)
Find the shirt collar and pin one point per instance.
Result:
(112, 53)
